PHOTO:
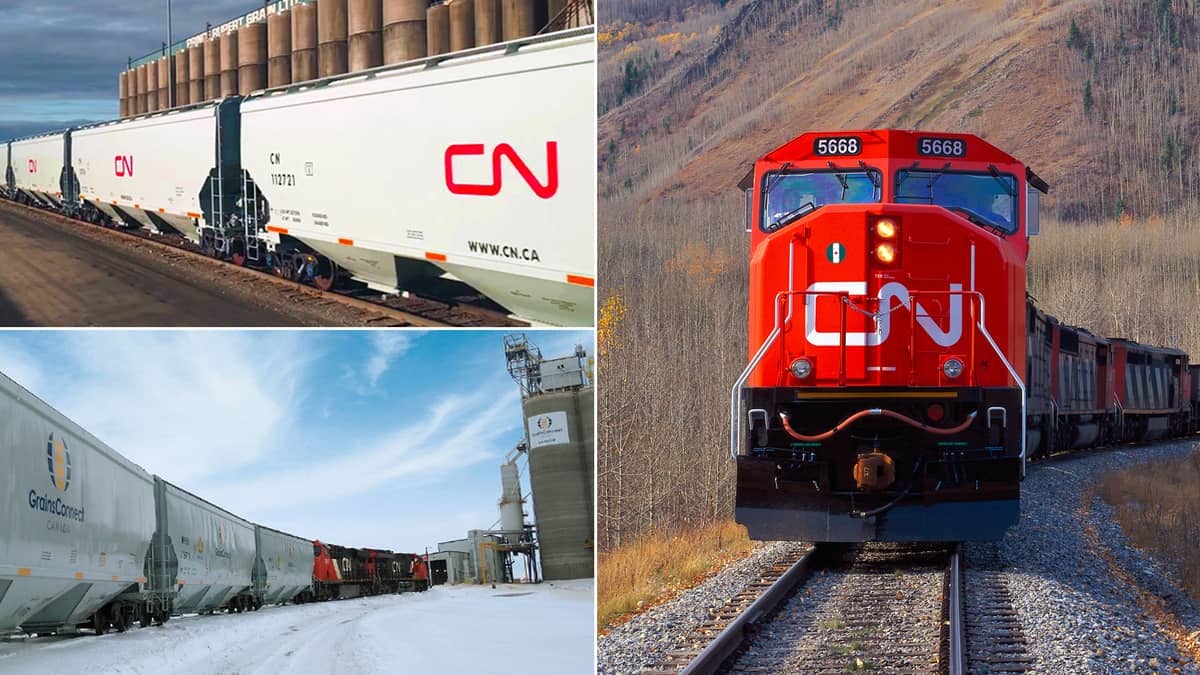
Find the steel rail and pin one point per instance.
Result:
(957, 664)
(710, 659)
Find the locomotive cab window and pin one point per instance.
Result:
(988, 199)
(789, 196)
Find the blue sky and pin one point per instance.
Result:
(61, 59)
(390, 439)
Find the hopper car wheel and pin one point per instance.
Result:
(100, 622)
(237, 252)
(163, 616)
(120, 619)
(207, 246)
(325, 274)
(145, 616)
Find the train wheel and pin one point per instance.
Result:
(237, 252)
(207, 246)
(145, 616)
(120, 619)
(326, 273)
(100, 622)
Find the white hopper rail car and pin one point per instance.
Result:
(477, 166)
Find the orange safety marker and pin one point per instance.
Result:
(581, 281)
(345, 242)
(439, 257)
(280, 230)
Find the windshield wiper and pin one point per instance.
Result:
(795, 213)
(775, 178)
(996, 174)
(978, 219)
(841, 176)
(875, 180)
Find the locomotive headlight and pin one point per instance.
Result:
(885, 228)
(801, 368)
(885, 253)
(952, 368)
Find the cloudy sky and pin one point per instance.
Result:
(61, 59)
(389, 439)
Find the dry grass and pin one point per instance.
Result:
(656, 566)
(1156, 506)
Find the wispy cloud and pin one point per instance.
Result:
(184, 404)
(453, 434)
(387, 347)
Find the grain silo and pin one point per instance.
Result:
(557, 405)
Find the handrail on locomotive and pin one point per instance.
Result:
(736, 399)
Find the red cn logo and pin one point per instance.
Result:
(123, 166)
(503, 151)
(33, 166)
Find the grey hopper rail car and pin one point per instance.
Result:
(90, 540)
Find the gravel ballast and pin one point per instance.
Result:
(645, 639)
(1076, 614)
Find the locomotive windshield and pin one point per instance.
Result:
(987, 199)
(789, 196)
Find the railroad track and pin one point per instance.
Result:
(876, 607)
(375, 309)
(994, 641)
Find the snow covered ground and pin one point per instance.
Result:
(547, 628)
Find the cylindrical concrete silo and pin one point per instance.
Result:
(304, 43)
(279, 49)
(560, 473)
(229, 65)
(518, 18)
(487, 22)
(331, 37)
(512, 507)
(143, 88)
(404, 37)
(164, 82)
(437, 29)
(252, 58)
(182, 78)
(462, 24)
(123, 94)
(151, 86)
(196, 74)
(131, 106)
(212, 69)
(366, 34)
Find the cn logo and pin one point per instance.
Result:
(123, 165)
(503, 151)
(33, 166)
(883, 320)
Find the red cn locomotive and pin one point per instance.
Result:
(342, 572)
(884, 398)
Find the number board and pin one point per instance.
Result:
(837, 145)
(941, 147)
